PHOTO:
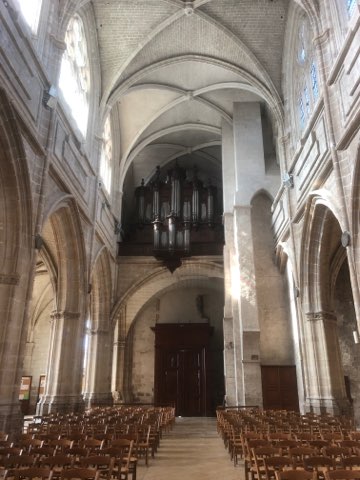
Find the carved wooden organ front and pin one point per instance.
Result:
(183, 215)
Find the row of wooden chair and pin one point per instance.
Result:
(113, 462)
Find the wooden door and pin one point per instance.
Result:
(181, 368)
(279, 387)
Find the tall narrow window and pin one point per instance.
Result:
(74, 81)
(106, 156)
(31, 12)
(350, 5)
(306, 76)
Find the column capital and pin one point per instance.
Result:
(57, 314)
(322, 316)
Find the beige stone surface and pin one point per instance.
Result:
(192, 450)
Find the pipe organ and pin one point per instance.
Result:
(183, 215)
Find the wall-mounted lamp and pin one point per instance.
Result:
(39, 242)
(288, 180)
(50, 97)
(356, 336)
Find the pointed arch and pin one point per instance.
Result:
(101, 292)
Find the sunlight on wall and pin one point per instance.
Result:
(31, 12)
(74, 81)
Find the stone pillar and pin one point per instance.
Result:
(119, 357)
(98, 385)
(244, 174)
(65, 364)
(12, 338)
(249, 373)
(324, 373)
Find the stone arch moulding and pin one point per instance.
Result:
(156, 281)
(320, 204)
(17, 197)
(101, 291)
(64, 216)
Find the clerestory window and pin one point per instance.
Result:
(350, 6)
(31, 13)
(106, 156)
(74, 81)
(306, 75)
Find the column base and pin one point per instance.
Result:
(11, 419)
(333, 406)
(98, 399)
(61, 404)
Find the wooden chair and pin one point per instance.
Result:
(143, 443)
(295, 475)
(104, 464)
(337, 454)
(80, 474)
(33, 472)
(258, 456)
(351, 462)
(10, 464)
(57, 463)
(125, 461)
(276, 464)
(341, 474)
(92, 445)
(319, 464)
(298, 454)
(61, 445)
(249, 463)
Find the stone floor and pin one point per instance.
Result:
(192, 451)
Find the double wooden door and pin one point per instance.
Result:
(279, 387)
(181, 367)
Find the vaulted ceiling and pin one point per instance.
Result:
(171, 71)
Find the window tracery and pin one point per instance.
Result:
(31, 12)
(74, 81)
(306, 75)
(106, 156)
(350, 6)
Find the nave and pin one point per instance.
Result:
(191, 450)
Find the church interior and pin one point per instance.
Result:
(180, 192)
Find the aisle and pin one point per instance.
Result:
(192, 451)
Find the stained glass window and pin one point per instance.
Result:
(31, 12)
(314, 82)
(106, 156)
(350, 5)
(301, 112)
(74, 79)
(305, 74)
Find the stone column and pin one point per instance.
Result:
(119, 357)
(64, 370)
(98, 388)
(12, 340)
(324, 373)
(244, 174)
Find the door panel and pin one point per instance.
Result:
(279, 387)
(181, 370)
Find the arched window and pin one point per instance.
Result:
(106, 156)
(74, 81)
(350, 6)
(306, 75)
(31, 13)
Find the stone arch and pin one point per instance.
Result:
(322, 256)
(16, 257)
(189, 301)
(140, 292)
(101, 291)
(64, 237)
(318, 242)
